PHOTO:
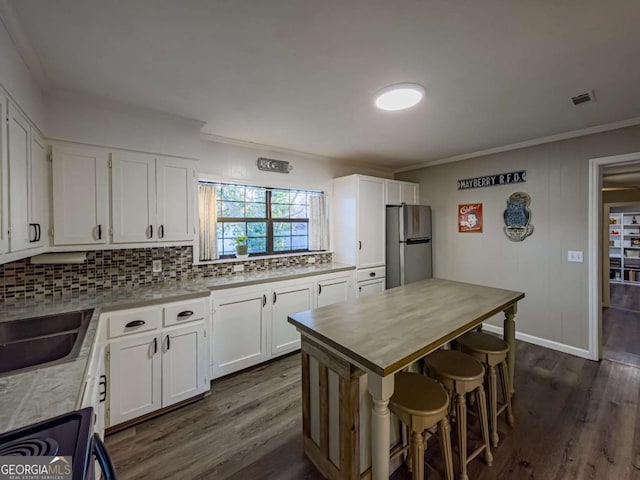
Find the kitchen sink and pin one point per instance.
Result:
(41, 341)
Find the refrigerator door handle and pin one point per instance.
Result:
(401, 260)
(401, 225)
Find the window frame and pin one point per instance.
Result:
(269, 220)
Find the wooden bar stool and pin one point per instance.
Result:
(421, 403)
(491, 352)
(462, 374)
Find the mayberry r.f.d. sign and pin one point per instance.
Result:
(493, 180)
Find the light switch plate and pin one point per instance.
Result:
(311, 259)
(238, 268)
(574, 256)
(157, 266)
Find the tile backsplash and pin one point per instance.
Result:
(113, 269)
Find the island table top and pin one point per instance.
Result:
(386, 332)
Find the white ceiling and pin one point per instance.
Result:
(301, 74)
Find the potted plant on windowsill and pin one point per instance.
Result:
(242, 249)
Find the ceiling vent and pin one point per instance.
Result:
(584, 98)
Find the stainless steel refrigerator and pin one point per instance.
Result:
(408, 244)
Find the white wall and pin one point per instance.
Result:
(76, 117)
(18, 81)
(556, 303)
(231, 162)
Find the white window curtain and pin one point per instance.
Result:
(318, 222)
(208, 221)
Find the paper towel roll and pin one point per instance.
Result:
(59, 258)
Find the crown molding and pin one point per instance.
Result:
(23, 45)
(528, 143)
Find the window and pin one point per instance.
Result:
(275, 220)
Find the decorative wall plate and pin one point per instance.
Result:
(517, 217)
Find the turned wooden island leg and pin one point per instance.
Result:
(381, 389)
(510, 338)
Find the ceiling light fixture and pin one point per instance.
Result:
(399, 96)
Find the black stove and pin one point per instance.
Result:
(70, 434)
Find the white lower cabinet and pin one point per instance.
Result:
(135, 373)
(371, 287)
(239, 329)
(334, 290)
(285, 301)
(95, 391)
(250, 324)
(184, 363)
(155, 363)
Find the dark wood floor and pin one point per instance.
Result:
(621, 325)
(625, 297)
(575, 419)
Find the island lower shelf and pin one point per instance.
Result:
(336, 415)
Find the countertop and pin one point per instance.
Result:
(386, 332)
(46, 392)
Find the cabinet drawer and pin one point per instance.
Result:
(134, 321)
(183, 312)
(370, 273)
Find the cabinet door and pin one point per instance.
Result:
(135, 377)
(285, 301)
(239, 335)
(133, 190)
(175, 199)
(4, 182)
(366, 289)
(39, 182)
(80, 195)
(332, 291)
(371, 220)
(184, 361)
(22, 234)
(409, 193)
(392, 192)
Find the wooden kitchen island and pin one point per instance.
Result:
(352, 348)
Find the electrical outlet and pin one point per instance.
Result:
(311, 259)
(574, 256)
(238, 268)
(157, 266)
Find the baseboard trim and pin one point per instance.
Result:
(542, 342)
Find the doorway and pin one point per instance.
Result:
(614, 258)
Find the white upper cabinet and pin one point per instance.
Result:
(133, 197)
(359, 220)
(397, 192)
(80, 195)
(19, 145)
(39, 176)
(409, 193)
(392, 192)
(28, 184)
(152, 198)
(175, 199)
